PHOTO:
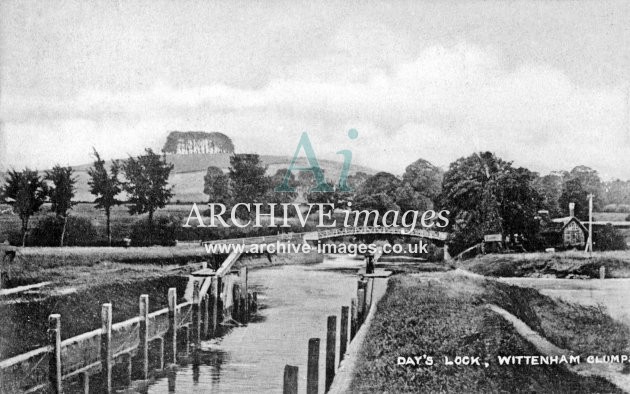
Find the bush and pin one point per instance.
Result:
(608, 238)
(162, 232)
(618, 208)
(47, 232)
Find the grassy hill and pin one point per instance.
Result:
(187, 177)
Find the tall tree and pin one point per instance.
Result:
(28, 192)
(485, 194)
(424, 178)
(217, 185)
(591, 183)
(248, 181)
(61, 193)
(616, 192)
(573, 192)
(549, 187)
(378, 192)
(282, 197)
(147, 183)
(106, 186)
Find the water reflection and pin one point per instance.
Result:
(294, 302)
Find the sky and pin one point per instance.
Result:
(543, 84)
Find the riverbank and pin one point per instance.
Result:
(77, 266)
(570, 264)
(447, 315)
(78, 288)
(81, 267)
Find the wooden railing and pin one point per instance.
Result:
(46, 368)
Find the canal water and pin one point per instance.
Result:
(295, 302)
(613, 294)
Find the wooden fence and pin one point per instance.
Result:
(351, 319)
(135, 346)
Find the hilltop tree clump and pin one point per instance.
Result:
(191, 142)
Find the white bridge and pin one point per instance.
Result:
(332, 233)
(418, 233)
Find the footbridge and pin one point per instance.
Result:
(346, 231)
(314, 236)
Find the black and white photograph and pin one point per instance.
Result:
(380, 196)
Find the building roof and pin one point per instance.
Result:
(568, 219)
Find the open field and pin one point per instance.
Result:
(446, 315)
(610, 216)
(88, 266)
(81, 266)
(187, 176)
(121, 221)
(558, 264)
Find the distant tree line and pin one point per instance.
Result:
(143, 178)
(484, 194)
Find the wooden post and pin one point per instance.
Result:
(235, 303)
(290, 380)
(255, 301)
(343, 332)
(106, 346)
(196, 316)
(205, 316)
(369, 290)
(250, 301)
(602, 272)
(361, 307)
(85, 380)
(330, 350)
(171, 347)
(244, 274)
(171, 375)
(143, 346)
(125, 369)
(185, 340)
(244, 309)
(353, 318)
(219, 302)
(161, 349)
(214, 313)
(312, 367)
(54, 357)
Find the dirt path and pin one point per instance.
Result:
(611, 372)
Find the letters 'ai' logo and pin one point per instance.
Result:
(321, 185)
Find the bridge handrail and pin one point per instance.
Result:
(335, 232)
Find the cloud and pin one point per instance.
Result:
(447, 102)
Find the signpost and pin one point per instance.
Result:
(589, 243)
(493, 238)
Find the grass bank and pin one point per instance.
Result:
(78, 265)
(559, 265)
(447, 316)
(24, 324)
(89, 284)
